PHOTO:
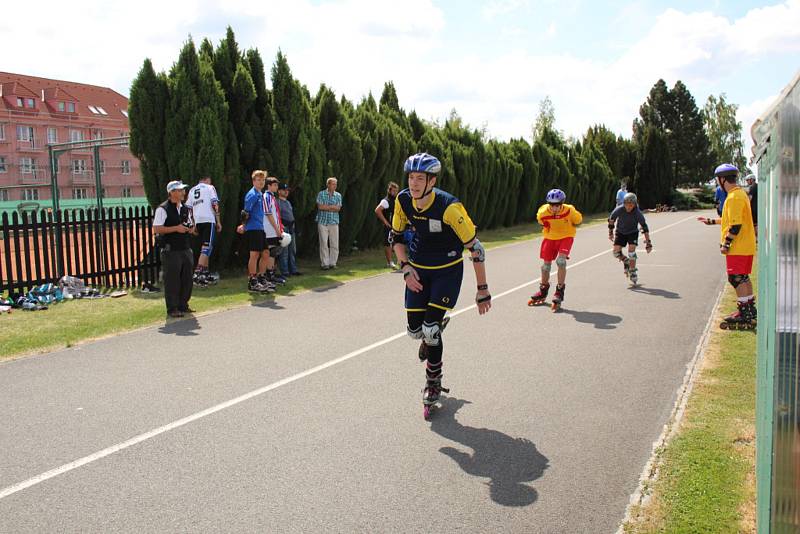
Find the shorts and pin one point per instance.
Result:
(739, 264)
(551, 248)
(440, 288)
(256, 240)
(208, 236)
(387, 238)
(620, 240)
(273, 242)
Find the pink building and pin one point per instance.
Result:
(35, 112)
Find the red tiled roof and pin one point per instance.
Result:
(14, 88)
(84, 95)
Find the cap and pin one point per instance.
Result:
(175, 184)
(283, 185)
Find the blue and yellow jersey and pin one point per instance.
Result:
(560, 225)
(441, 229)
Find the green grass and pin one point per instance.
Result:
(706, 474)
(68, 323)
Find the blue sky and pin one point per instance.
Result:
(492, 61)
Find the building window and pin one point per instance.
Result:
(126, 166)
(19, 102)
(30, 103)
(30, 194)
(52, 136)
(97, 134)
(26, 165)
(2, 131)
(126, 192)
(3, 167)
(75, 135)
(71, 107)
(24, 133)
(4, 195)
(78, 166)
(62, 106)
(79, 193)
(102, 166)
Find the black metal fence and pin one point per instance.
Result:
(113, 247)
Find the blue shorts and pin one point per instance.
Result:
(440, 288)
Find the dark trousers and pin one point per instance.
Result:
(178, 267)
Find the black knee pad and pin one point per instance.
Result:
(738, 279)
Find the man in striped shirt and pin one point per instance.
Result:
(329, 204)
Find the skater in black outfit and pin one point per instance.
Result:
(626, 220)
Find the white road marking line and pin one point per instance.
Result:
(11, 490)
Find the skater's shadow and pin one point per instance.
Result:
(655, 292)
(507, 462)
(182, 327)
(601, 321)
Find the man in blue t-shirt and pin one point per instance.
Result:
(253, 230)
(719, 199)
(623, 190)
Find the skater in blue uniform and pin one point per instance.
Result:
(433, 263)
(627, 219)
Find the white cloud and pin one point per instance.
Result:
(354, 46)
(496, 8)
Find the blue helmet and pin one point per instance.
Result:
(726, 169)
(422, 162)
(556, 196)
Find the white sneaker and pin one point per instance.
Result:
(392, 265)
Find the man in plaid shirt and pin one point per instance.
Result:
(329, 204)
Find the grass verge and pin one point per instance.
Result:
(68, 323)
(706, 474)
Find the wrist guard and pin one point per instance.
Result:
(478, 248)
(483, 287)
(397, 238)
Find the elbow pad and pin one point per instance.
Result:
(645, 229)
(734, 229)
(477, 247)
(611, 224)
(397, 238)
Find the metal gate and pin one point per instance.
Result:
(776, 136)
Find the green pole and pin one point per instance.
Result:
(98, 186)
(54, 176)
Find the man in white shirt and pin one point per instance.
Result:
(204, 203)
(272, 229)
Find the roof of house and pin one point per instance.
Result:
(91, 101)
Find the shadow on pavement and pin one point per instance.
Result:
(265, 301)
(655, 292)
(507, 462)
(181, 327)
(601, 321)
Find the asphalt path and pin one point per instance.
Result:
(304, 414)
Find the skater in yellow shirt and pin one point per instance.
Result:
(559, 221)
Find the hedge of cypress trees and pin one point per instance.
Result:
(214, 115)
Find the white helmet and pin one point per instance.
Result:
(286, 239)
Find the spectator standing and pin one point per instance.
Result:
(272, 229)
(288, 255)
(719, 199)
(384, 211)
(621, 192)
(172, 221)
(253, 230)
(329, 204)
(752, 192)
(204, 203)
